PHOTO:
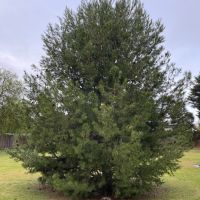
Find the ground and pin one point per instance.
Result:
(16, 184)
(184, 185)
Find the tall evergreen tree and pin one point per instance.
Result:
(106, 107)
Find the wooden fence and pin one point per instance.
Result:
(9, 141)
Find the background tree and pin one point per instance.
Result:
(107, 110)
(195, 101)
(195, 95)
(11, 106)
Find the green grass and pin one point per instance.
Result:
(16, 184)
(184, 185)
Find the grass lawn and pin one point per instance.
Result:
(184, 185)
(16, 184)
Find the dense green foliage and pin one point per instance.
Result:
(194, 98)
(12, 110)
(107, 110)
(195, 95)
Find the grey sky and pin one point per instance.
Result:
(23, 21)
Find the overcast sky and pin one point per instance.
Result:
(22, 23)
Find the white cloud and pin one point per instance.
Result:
(15, 64)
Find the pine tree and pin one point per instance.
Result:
(107, 111)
